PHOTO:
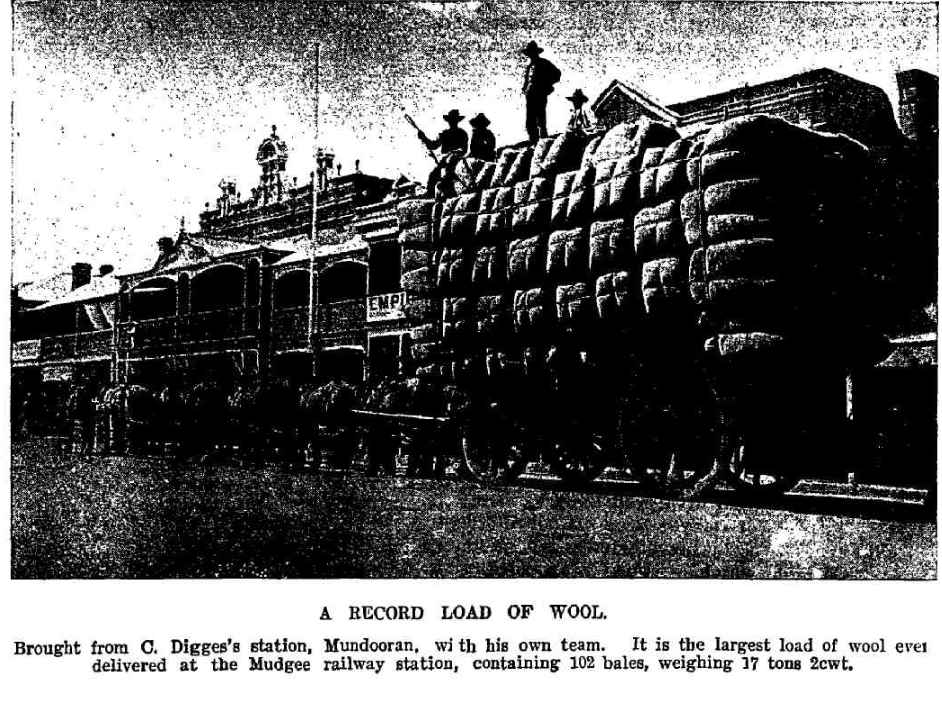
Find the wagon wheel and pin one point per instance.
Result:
(755, 480)
(488, 461)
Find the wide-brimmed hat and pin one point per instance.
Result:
(578, 97)
(532, 48)
(453, 115)
(480, 120)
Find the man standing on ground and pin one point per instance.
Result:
(538, 83)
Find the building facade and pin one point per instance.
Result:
(264, 289)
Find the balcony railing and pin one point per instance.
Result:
(342, 316)
(289, 327)
(80, 345)
(207, 326)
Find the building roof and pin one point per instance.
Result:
(45, 289)
(100, 287)
(617, 86)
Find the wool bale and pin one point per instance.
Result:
(588, 154)
(645, 240)
(647, 180)
(482, 228)
(612, 295)
(747, 258)
(623, 193)
(669, 236)
(733, 227)
(526, 260)
(541, 188)
(755, 293)
(664, 211)
(540, 151)
(696, 275)
(531, 315)
(488, 201)
(419, 237)
(726, 165)
(562, 184)
(693, 232)
(584, 178)
(419, 309)
(744, 196)
(466, 172)
(600, 172)
(692, 165)
(504, 198)
(579, 206)
(415, 211)
(494, 316)
(757, 132)
(505, 161)
(467, 203)
(485, 176)
(671, 179)
(632, 138)
(418, 281)
(538, 215)
(522, 192)
(462, 229)
(663, 281)
(445, 235)
(518, 225)
(575, 305)
(520, 169)
(601, 200)
(558, 213)
(744, 343)
(610, 245)
(565, 153)
(489, 268)
(689, 206)
(412, 259)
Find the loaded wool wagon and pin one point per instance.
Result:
(685, 307)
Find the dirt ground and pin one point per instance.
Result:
(149, 518)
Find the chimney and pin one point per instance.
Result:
(105, 269)
(81, 274)
(165, 246)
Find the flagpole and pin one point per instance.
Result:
(313, 300)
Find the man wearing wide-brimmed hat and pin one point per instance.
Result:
(581, 120)
(453, 142)
(538, 84)
(483, 142)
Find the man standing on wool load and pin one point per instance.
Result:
(453, 143)
(538, 83)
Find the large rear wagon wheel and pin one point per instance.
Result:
(488, 461)
(756, 481)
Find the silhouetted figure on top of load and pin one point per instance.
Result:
(453, 143)
(483, 142)
(581, 119)
(540, 77)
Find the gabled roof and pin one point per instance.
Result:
(45, 289)
(103, 286)
(624, 88)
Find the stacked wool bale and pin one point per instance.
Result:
(419, 268)
(542, 203)
(779, 236)
(619, 166)
(659, 239)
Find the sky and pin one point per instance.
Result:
(127, 114)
